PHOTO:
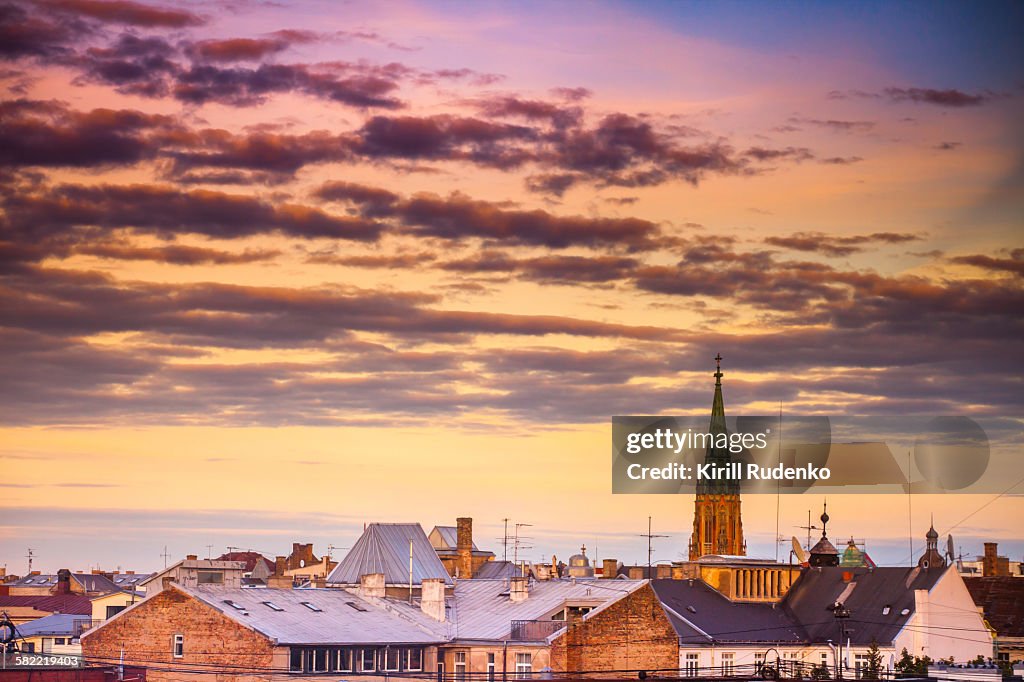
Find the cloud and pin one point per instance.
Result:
(947, 146)
(838, 245)
(841, 160)
(942, 98)
(127, 12)
(25, 35)
(791, 153)
(837, 125)
(177, 254)
(1013, 265)
(458, 216)
(547, 269)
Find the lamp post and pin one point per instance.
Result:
(841, 613)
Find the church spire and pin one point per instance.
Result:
(718, 404)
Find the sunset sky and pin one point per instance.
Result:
(272, 270)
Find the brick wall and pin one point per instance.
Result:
(631, 634)
(211, 640)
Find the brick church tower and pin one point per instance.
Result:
(717, 524)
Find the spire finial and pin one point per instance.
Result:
(824, 517)
(718, 369)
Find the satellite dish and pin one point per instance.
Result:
(801, 553)
(949, 548)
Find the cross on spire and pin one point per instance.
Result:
(718, 369)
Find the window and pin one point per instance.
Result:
(343, 660)
(692, 665)
(368, 660)
(295, 660)
(272, 606)
(210, 577)
(114, 610)
(728, 663)
(490, 667)
(391, 659)
(860, 664)
(313, 607)
(235, 605)
(320, 660)
(414, 659)
(758, 661)
(58, 640)
(460, 666)
(179, 646)
(524, 666)
(28, 647)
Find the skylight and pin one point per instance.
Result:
(272, 606)
(313, 607)
(234, 605)
(354, 605)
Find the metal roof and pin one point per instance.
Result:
(60, 603)
(58, 624)
(384, 548)
(481, 609)
(1002, 599)
(447, 537)
(339, 617)
(700, 615)
(880, 600)
(496, 570)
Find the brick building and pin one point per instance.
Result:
(455, 548)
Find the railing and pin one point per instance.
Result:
(535, 630)
(80, 625)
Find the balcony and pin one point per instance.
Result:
(535, 630)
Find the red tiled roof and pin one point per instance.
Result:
(1002, 600)
(66, 603)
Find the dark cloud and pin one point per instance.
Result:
(1013, 265)
(236, 49)
(35, 35)
(127, 12)
(942, 98)
(835, 124)
(557, 115)
(947, 146)
(842, 160)
(836, 245)
(34, 133)
(444, 137)
(67, 215)
(789, 153)
(132, 65)
(177, 254)
(548, 269)
(398, 261)
(458, 217)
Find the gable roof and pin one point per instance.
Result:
(880, 600)
(59, 624)
(384, 548)
(701, 615)
(77, 604)
(90, 582)
(342, 617)
(446, 537)
(1002, 600)
(249, 559)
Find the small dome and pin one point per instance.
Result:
(931, 534)
(580, 559)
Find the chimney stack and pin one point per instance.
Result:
(610, 568)
(663, 571)
(191, 557)
(371, 585)
(464, 547)
(432, 598)
(63, 581)
(989, 564)
(519, 589)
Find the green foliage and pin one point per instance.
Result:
(912, 665)
(873, 671)
(820, 672)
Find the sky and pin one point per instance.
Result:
(270, 271)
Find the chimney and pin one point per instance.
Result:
(636, 572)
(372, 585)
(464, 546)
(990, 562)
(63, 581)
(129, 572)
(280, 565)
(678, 573)
(191, 557)
(432, 598)
(663, 571)
(609, 568)
(519, 589)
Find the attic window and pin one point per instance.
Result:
(886, 609)
(313, 607)
(272, 606)
(356, 606)
(30, 581)
(234, 605)
(691, 609)
(904, 612)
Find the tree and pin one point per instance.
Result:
(873, 671)
(820, 672)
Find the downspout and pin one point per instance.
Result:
(504, 660)
(835, 658)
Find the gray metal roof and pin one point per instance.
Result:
(481, 609)
(343, 618)
(447, 536)
(876, 598)
(701, 615)
(384, 548)
(59, 624)
(502, 570)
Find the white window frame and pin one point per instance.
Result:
(408, 660)
(692, 664)
(490, 667)
(338, 654)
(178, 645)
(388, 652)
(728, 663)
(524, 666)
(362, 660)
(460, 666)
